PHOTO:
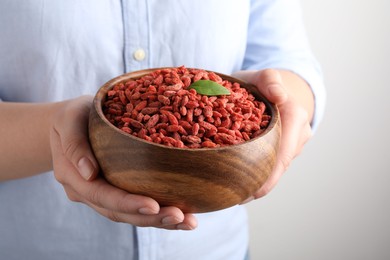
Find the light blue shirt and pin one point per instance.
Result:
(55, 50)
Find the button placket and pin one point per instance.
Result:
(136, 34)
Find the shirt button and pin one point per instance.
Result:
(139, 55)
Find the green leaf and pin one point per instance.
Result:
(209, 88)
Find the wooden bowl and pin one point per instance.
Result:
(194, 180)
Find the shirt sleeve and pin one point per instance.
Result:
(277, 39)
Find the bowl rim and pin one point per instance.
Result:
(101, 93)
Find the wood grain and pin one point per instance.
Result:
(195, 180)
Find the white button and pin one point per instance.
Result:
(139, 55)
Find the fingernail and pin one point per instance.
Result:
(183, 226)
(276, 90)
(170, 220)
(147, 211)
(85, 168)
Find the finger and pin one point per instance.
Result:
(61, 165)
(269, 184)
(189, 223)
(268, 81)
(294, 126)
(295, 132)
(306, 135)
(98, 191)
(168, 217)
(103, 194)
(72, 129)
(72, 194)
(282, 165)
(271, 86)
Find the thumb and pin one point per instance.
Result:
(72, 130)
(268, 81)
(270, 84)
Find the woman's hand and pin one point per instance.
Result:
(76, 169)
(295, 102)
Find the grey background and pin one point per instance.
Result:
(333, 202)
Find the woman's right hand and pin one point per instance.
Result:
(76, 169)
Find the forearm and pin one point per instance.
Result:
(24, 138)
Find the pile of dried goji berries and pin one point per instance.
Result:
(160, 107)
